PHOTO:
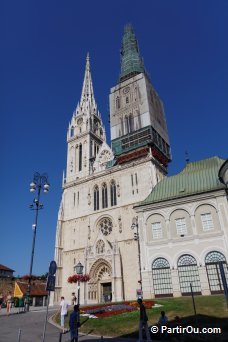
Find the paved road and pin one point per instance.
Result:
(31, 325)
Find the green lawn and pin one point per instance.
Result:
(211, 311)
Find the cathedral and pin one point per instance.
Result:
(112, 216)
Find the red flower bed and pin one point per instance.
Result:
(148, 304)
(107, 310)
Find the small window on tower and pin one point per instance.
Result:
(72, 131)
(104, 196)
(96, 197)
(113, 193)
(132, 180)
(118, 102)
(127, 99)
(136, 179)
(80, 158)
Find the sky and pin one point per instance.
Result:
(42, 61)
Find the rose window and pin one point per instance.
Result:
(105, 226)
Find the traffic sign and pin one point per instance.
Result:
(50, 283)
(52, 268)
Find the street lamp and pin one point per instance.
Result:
(40, 182)
(135, 225)
(79, 270)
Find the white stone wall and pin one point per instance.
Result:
(196, 242)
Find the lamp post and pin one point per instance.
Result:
(40, 182)
(135, 225)
(79, 270)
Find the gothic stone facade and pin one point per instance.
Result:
(102, 184)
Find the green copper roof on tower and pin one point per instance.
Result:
(131, 61)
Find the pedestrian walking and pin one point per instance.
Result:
(143, 319)
(74, 324)
(163, 321)
(63, 312)
(1, 300)
(73, 299)
(9, 303)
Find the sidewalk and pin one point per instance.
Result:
(31, 308)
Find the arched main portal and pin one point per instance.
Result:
(100, 284)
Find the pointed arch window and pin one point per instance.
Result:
(80, 158)
(126, 121)
(104, 196)
(96, 197)
(122, 127)
(131, 123)
(72, 131)
(117, 102)
(113, 193)
(100, 247)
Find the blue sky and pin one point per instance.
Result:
(42, 61)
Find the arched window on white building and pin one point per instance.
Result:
(188, 275)
(213, 261)
(162, 280)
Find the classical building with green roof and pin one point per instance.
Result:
(183, 227)
(197, 177)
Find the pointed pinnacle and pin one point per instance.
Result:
(87, 61)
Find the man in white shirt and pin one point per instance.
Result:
(63, 312)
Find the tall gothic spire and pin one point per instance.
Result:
(87, 103)
(131, 61)
(87, 89)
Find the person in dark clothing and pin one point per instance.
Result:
(74, 324)
(143, 319)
